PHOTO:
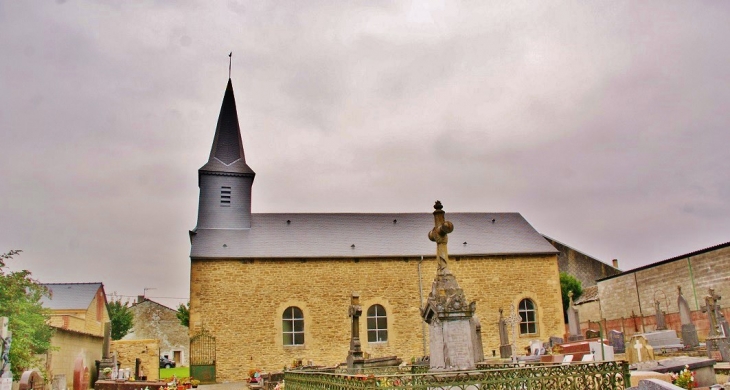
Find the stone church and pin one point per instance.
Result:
(274, 288)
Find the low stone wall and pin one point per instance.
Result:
(148, 351)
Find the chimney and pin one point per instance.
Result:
(141, 298)
(615, 263)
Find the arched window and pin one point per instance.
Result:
(292, 325)
(529, 317)
(377, 324)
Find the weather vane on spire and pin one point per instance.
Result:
(230, 59)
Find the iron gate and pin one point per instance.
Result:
(202, 357)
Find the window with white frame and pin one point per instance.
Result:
(377, 324)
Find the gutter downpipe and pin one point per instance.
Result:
(420, 299)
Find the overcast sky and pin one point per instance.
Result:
(606, 124)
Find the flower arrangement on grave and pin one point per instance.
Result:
(684, 379)
(254, 375)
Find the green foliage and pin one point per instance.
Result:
(183, 314)
(569, 283)
(20, 301)
(121, 317)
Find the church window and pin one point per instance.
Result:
(225, 196)
(292, 322)
(377, 324)
(529, 317)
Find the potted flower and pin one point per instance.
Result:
(684, 379)
(106, 373)
(194, 383)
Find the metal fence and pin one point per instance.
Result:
(577, 376)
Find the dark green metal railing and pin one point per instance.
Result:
(576, 376)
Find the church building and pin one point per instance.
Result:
(273, 289)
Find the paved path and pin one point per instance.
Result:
(225, 386)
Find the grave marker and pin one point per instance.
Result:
(659, 316)
(616, 338)
(689, 332)
(718, 334)
(355, 358)
(573, 321)
(639, 350)
(505, 349)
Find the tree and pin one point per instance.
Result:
(20, 301)
(183, 314)
(569, 283)
(121, 317)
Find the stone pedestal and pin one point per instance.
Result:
(505, 351)
(449, 317)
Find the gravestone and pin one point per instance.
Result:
(446, 311)
(592, 334)
(58, 382)
(31, 380)
(616, 339)
(6, 374)
(505, 349)
(719, 329)
(573, 321)
(663, 340)
(81, 374)
(639, 350)
(106, 360)
(554, 340)
(661, 323)
(355, 357)
(601, 353)
(476, 328)
(689, 332)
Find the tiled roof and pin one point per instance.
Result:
(335, 235)
(589, 294)
(70, 296)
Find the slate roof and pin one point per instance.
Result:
(226, 154)
(70, 296)
(332, 235)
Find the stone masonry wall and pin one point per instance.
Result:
(155, 321)
(619, 296)
(241, 304)
(581, 266)
(148, 351)
(69, 345)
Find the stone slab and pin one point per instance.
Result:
(637, 376)
(656, 384)
(703, 368)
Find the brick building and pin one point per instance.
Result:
(275, 288)
(78, 314)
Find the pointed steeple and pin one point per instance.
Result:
(225, 181)
(226, 154)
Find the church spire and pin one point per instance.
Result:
(226, 154)
(225, 181)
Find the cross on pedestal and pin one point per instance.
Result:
(513, 320)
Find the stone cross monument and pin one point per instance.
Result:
(513, 320)
(573, 321)
(505, 349)
(689, 332)
(718, 326)
(106, 360)
(355, 359)
(661, 324)
(6, 375)
(450, 317)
